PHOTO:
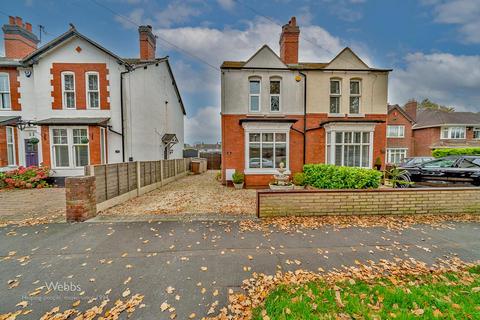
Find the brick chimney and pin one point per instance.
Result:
(19, 38)
(148, 43)
(411, 109)
(289, 42)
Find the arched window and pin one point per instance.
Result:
(335, 94)
(68, 89)
(355, 95)
(275, 94)
(254, 94)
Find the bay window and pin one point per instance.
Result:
(4, 91)
(335, 95)
(69, 147)
(396, 155)
(68, 90)
(11, 161)
(275, 95)
(453, 133)
(355, 95)
(395, 131)
(254, 96)
(349, 148)
(93, 92)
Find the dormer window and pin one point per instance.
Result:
(275, 95)
(4, 91)
(93, 93)
(355, 94)
(254, 96)
(335, 94)
(68, 90)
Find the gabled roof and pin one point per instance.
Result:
(265, 53)
(72, 32)
(391, 108)
(346, 55)
(427, 118)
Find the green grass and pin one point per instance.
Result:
(447, 296)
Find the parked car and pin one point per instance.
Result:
(458, 170)
(414, 161)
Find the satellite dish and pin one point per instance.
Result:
(28, 73)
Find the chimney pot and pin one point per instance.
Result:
(11, 20)
(289, 42)
(411, 109)
(19, 22)
(28, 26)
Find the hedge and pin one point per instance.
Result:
(438, 153)
(327, 176)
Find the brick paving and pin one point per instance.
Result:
(32, 205)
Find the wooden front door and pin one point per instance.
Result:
(31, 153)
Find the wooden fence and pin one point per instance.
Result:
(118, 182)
(214, 160)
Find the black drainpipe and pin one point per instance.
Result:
(121, 111)
(304, 118)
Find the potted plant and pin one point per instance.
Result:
(378, 163)
(34, 140)
(238, 180)
(84, 140)
(397, 178)
(299, 180)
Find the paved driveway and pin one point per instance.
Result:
(32, 205)
(191, 265)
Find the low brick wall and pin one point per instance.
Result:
(80, 194)
(365, 202)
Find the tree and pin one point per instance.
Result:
(427, 104)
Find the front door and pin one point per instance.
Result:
(31, 153)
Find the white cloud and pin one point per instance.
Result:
(203, 126)
(442, 77)
(464, 13)
(347, 10)
(226, 4)
(136, 16)
(176, 12)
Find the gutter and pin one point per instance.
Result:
(122, 131)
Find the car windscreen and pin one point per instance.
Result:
(440, 163)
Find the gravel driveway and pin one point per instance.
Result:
(193, 194)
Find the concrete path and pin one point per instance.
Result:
(199, 261)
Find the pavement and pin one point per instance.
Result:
(191, 265)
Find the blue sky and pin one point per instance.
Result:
(432, 45)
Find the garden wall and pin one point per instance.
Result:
(368, 202)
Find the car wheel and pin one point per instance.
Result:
(404, 181)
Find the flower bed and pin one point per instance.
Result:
(25, 178)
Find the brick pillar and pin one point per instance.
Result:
(81, 198)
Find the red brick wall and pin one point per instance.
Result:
(80, 90)
(14, 86)
(396, 118)
(46, 146)
(80, 194)
(17, 46)
(427, 139)
(3, 146)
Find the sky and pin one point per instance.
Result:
(433, 46)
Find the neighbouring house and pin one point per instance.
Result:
(276, 109)
(72, 102)
(399, 132)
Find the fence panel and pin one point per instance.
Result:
(132, 176)
(112, 181)
(214, 160)
(101, 185)
(123, 178)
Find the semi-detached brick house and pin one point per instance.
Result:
(399, 132)
(84, 104)
(277, 109)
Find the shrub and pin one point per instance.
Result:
(26, 178)
(238, 178)
(438, 153)
(327, 176)
(299, 179)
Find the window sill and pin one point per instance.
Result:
(395, 137)
(263, 171)
(336, 115)
(356, 115)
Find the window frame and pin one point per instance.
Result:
(64, 100)
(402, 135)
(11, 143)
(450, 130)
(88, 91)
(70, 147)
(6, 93)
(259, 95)
(279, 95)
(476, 130)
(396, 150)
(335, 95)
(355, 95)
(330, 145)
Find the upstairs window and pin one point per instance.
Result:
(355, 94)
(275, 95)
(254, 97)
(453, 133)
(4, 91)
(335, 94)
(93, 93)
(395, 131)
(68, 88)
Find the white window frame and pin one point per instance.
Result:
(70, 147)
(10, 132)
(476, 130)
(87, 89)
(400, 128)
(450, 130)
(278, 79)
(392, 152)
(7, 93)
(64, 100)
(103, 146)
(335, 95)
(359, 95)
(252, 127)
(259, 95)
